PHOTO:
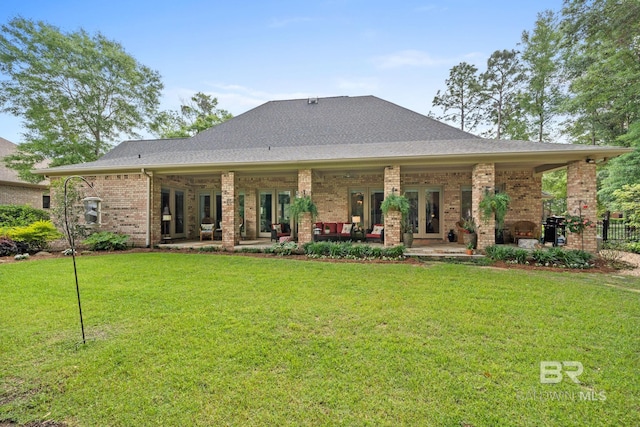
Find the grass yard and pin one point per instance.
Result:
(199, 339)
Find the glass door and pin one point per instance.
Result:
(356, 203)
(432, 212)
(172, 203)
(266, 213)
(275, 206)
(205, 208)
(179, 213)
(375, 214)
(284, 204)
(413, 222)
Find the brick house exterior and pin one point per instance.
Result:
(347, 153)
(15, 191)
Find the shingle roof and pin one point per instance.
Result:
(10, 175)
(329, 121)
(331, 129)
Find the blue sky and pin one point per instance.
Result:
(247, 53)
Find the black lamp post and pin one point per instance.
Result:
(166, 223)
(91, 217)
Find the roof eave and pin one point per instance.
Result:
(543, 157)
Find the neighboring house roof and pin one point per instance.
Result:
(10, 176)
(359, 130)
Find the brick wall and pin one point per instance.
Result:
(581, 200)
(230, 218)
(331, 192)
(525, 191)
(305, 188)
(393, 219)
(19, 195)
(483, 177)
(124, 203)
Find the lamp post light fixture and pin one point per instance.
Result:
(166, 223)
(92, 217)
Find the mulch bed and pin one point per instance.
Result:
(601, 266)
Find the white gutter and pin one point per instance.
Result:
(148, 233)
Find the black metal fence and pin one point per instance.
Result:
(617, 231)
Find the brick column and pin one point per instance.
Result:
(251, 214)
(230, 211)
(305, 222)
(393, 219)
(581, 200)
(483, 177)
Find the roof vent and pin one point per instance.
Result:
(313, 100)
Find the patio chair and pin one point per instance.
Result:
(206, 229)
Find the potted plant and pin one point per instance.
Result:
(469, 236)
(300, 206)
(495, 205)
(303, 205)
(407, 235)
(395, 202)
(470, 247)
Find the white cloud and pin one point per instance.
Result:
(408, 58)
(285, 22)
(427, 8)
(421, 59)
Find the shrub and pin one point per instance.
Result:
(284, 248)
(35, 236)
(8, 247)
(335, 250)
(500, 253)
(543, 257)
(20, 215)
(633, 247)
(246, 250)
(520, 256)
(107, 241)
(317, 249)
(393, 252)
(552, 257)
(349, 250)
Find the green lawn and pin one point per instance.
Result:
(202, 339)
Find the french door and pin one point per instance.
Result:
(364, 206)
(424, 213)
(274, 207)
(173, 205)
(210, 207)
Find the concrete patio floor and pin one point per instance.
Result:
(428, 248)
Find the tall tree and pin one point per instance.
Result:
(501, 84)
(76, 93)
(462, 99)
(602, 50)
(541, 59)
(198, 114)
